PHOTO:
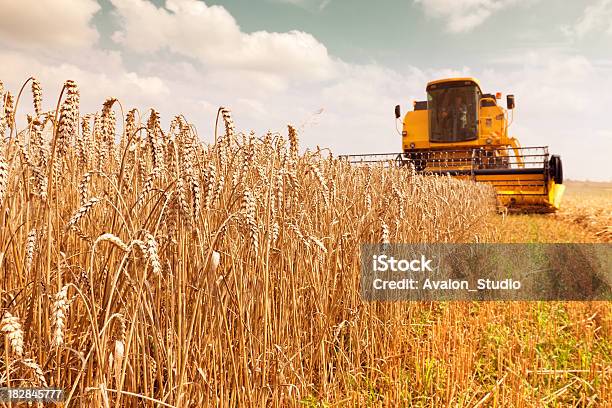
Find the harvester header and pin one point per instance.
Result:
(461, 131)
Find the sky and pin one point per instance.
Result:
(333, 68)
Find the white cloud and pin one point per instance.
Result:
(604, 134)
(48, 23)
(463, 15)
(561, 103)
(595, 18)
(550, 83)
(324, 4)
(211, 35)
(109, 78)
(308, 4)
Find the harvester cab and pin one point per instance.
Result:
(463, 132)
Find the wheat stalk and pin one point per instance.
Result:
(4, 178)
(38, 372)
(30, 248)
(108, 237)
(152, 253)
(321, 181)
(37, 96)
(107, 132)
(384, 233)
(215, 259)
(116, 358)
(293, 143)
(211, 182)
(9, 106)
(249, 212)
(82, 211)
(69, 117)
(58, 317)
(153, 133)
(83, 141)
(11, 326)
(230, 127)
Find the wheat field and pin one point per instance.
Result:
(141, 266)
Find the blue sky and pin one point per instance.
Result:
(333, 68)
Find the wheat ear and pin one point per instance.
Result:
(11, 326)
(81, 212)
(58, 317)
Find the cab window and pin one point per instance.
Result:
(453, 112)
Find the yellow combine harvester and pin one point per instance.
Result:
(461, 131)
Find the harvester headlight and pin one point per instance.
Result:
(404, 133)
(489, 141)
(412, 145)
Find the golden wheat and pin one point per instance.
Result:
(37, 96)
(12, 327)
(58, 317)
(4, 174)
(254, 296)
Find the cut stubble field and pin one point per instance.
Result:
(585, 216)
(140, 266)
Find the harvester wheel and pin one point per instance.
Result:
(556, 168)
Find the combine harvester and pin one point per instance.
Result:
(462, 132)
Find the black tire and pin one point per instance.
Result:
(556, 168)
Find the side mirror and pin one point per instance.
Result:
(510, 101)
(397, 112)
